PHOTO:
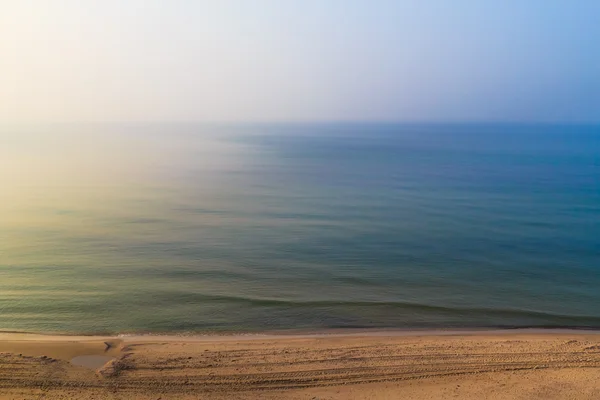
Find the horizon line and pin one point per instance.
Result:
(305, 122)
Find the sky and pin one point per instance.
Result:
(299, 60)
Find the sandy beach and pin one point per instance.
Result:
(371, 365)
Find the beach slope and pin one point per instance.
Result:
(492, 365)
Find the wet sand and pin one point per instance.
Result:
(359, 365)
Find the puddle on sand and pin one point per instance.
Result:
(92, 362)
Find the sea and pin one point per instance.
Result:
(191, 228)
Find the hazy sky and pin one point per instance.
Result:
(300, 60)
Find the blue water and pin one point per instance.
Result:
(194, 228)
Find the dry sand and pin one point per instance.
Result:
(484, 365)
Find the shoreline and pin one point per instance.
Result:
(301, 334)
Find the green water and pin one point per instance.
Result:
(193, 228)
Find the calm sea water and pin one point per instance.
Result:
(192, 228)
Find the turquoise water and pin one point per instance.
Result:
(193, 228)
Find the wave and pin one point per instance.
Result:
(507, 314)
